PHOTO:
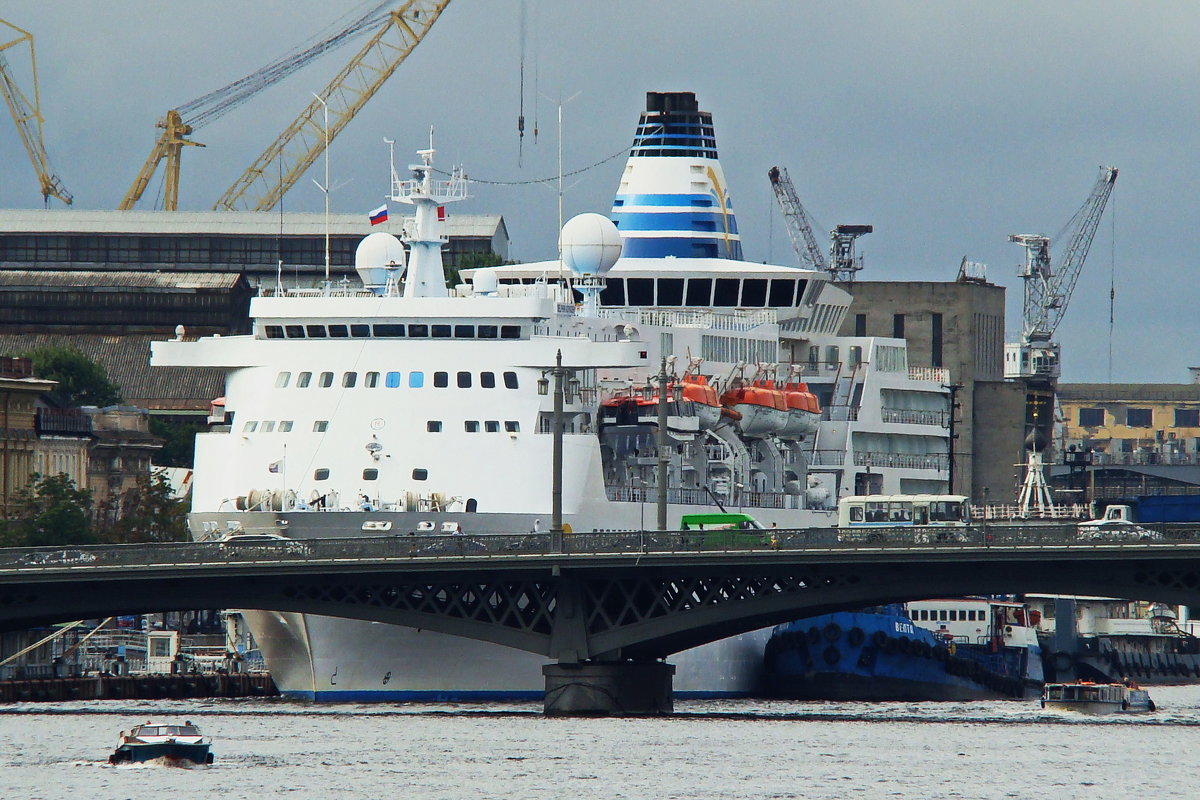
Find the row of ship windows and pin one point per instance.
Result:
(392, 380)
(432, 426)
(369, 474)
(388, 330)
(949, 615)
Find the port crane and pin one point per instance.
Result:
(261, 186)
(1035, 359)
(842, 263)
(26, 112)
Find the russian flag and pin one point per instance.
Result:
(379, 215)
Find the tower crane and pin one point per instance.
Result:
(396, 32)
(842, 263)
(27, 114)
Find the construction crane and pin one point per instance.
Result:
(1048, 288)
(842, 263)
(396, 32)
(27, 114)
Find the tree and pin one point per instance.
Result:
(81, 381)
(470, 261)
(51, 511)
(149, 513)
(179, 440)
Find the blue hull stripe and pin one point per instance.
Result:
(700, 222)
(681, 200)
(691, 247)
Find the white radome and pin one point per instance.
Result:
(590, 244)
(375, 255)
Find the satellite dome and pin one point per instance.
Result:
(590, 244)
(375, 256)
(487, 281)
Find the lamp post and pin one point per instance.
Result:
(664, 453)
(557, 372)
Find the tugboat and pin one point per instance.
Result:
(177, 745)
(1097, 698)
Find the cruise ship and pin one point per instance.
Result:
(406, 405)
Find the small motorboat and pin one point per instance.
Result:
(174, 744)
(1097, 698)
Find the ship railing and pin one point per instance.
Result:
(936, 374)
(710, 320)
(909, 416)
(1010, 511)
(701, 497)
(828, 458)
(931, 461)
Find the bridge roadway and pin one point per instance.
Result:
(604, 608)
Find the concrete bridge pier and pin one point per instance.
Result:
(609, 688)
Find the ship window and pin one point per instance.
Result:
(487, 380)
(321, 474)
(464, 331)
(472, 505)
(389, 330)
(360, 331)
(953, 615)
(349, 379)
(315, 331)
(783, 293)
(942, 615)
(464, 380)
(726, 292)
(613, 293)
(512, 426)
(510, 331)
(268, 427)
(392, 380)
(281, 380)
(338, 331)
(491, 426)
(754, 292)
(416, 380)
(371, 380)
(320, 426)
(250, 427)
(285, 426)
(471, 426)
(433, 426)
(440, 331)
(488, 331)
(274, 331)
(510, 380)
(370, 474)
(420, 474)
(418, 331)
(699, 292)
(831, 356)
(670, 291)
(441, 380)
(303, 380)
(641, 291)
(294, 331)
(326, 380)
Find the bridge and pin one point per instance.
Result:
(605, 609)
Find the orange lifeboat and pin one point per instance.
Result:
(705, 401)
(804, 412)
(763, 407)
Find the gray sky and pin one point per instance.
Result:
(946, 125)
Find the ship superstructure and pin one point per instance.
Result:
(405, 406)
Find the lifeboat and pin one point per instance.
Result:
(763, 408)
(705, 401)
(804, 412)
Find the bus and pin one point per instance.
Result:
(725, 530)
(858, 514)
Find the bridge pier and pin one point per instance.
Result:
(612, 688)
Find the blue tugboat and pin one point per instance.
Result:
(174, 744)
(947, 649)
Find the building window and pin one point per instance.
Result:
(510, 380)
(326, 380)
(370, 474)
(420, 474)
(1091, 417)
(303, 380)
(441, 380)
(897, 326)
(860, 324)
(1187, 418)
(433, 426)
(320, 426)
(487, 380)
(321, 474)
(1139, 417)
(464, 380)
(281, 380)
(471, 426)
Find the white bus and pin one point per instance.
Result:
(902, 511)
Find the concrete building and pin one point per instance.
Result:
(958, 326)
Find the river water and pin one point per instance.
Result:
(708, 749)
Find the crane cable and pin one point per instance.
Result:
(1112, 286)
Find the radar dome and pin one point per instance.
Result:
(590, 244)
(487, 281)
(375, 256)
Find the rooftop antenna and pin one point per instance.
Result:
(521, 107)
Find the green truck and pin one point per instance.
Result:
(725, 530)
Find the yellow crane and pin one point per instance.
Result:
(27, 114)
(260, 187)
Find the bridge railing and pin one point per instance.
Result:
(1041, 534)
